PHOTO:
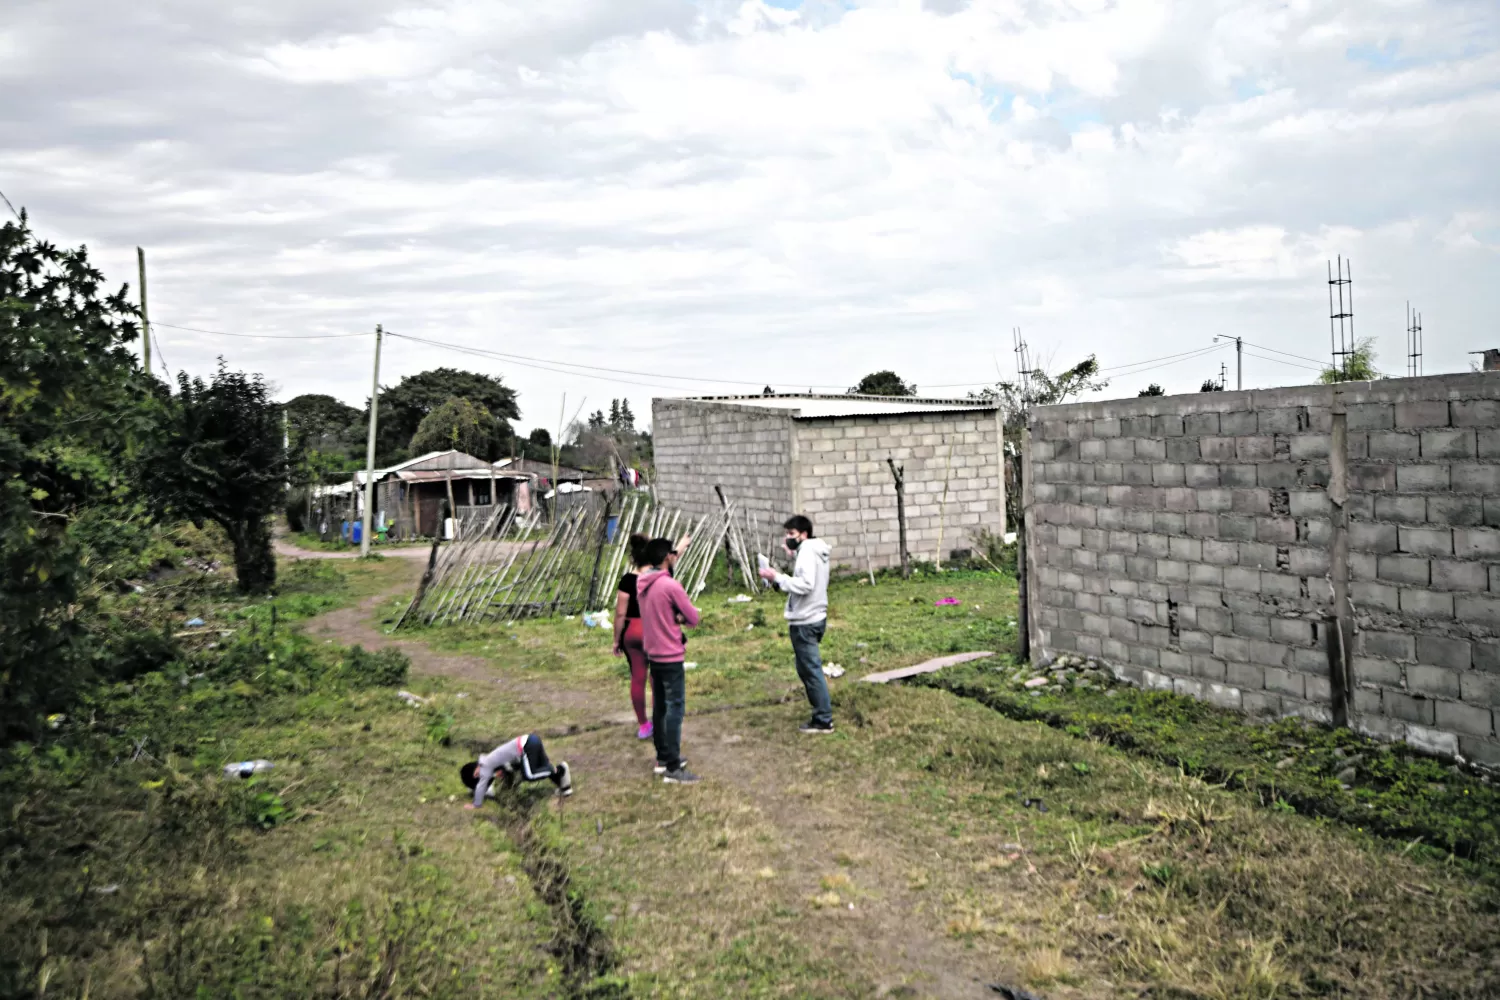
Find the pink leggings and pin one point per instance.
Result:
(635, 653)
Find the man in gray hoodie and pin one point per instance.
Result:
(807, 614)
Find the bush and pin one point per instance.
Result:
(383, 668)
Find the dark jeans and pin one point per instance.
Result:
(805, 639)
(668, 698)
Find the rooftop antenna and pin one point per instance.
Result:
(1413, 341)
(1341, 312)
(1223, 375)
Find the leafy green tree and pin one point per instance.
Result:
(1209, 385)
(403, 407)
(455, 423)
(218, 457)
(324, 424)
(73, 404)
(883, 383)
(1152, 390)
(1358, 366)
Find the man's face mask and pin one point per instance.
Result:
(792, 541)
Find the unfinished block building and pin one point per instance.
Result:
(825, 456)
(1196, 543)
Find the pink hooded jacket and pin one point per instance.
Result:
(662, 599)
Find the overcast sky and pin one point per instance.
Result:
(785, 193)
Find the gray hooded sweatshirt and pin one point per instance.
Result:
(807, 587)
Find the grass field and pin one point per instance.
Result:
(896, 858)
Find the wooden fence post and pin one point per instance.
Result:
(899, 475)
(1341, 635)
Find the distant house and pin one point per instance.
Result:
(826, 456)
(409, 496)
(530, 467)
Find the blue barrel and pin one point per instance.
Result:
(611, 526)
(354, 532)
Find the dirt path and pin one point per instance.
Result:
(287, 550)
(884, 937)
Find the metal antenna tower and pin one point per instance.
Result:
(1023, 361)
(1341, 312)
(1223, 375)
(1413, 341)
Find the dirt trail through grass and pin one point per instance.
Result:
(764, 772)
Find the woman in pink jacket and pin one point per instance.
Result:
(665, 608)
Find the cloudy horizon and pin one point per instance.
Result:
(705, 197)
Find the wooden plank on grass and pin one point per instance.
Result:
(923, 668)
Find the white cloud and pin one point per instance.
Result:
(742, 191)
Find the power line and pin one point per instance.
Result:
(1262, 347)
(262, 336)
(1147, 361)
(1168, 364)
(1294, 364)
(10, 206)
(481, 353)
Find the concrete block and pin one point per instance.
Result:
(1480, 688)
(1448, 574)
(1429, 541)
(1405, 569)
(1470, 720)
(1422, 413)
(1371, 477)
(1371, 416)
(1179, 498)
(1365, 536)
(1426, 603)
(1401, 509)
(1217, 449)
(1105, 427)
(1459, 511)
(1198, 476)
(1186, 549)
(1152, 449)
(1250, 626)
(1214, 499)
(1387, 645)
(1145, 656)
(1168, 522)
(1259, 448)
(1200, 423)
(1474, 412)
(1214, 618)
(1245, 676)
(1306, 447)
(1233, 527)
(1261, 704)
(1202, 525)
(1303, 561)
(1221, 553)
(1468, 478)
(1194, 641)
(1398, 445)
(1167, 425)
(1437, 682)
(1174, 662)
(1422, 477)
(1119, 449)
(1308, 503)
(1286, 682)
(1432, 741)
(1280, 585)
(1292, 631)
(1277, 475)
(1136, 473)
(1309, 659)
(1208, 668)
(1457, 443)
(1440, 651)
(1476, 543)
(1375, 671)
(1182, 449)
(1368, 595)
(1237, 423)
(1319, 689)
(1258, 554)
(1237, 476)
(1257, 501)
(1407, 708)
(1489, 442)
(1477, 610)
(1204, 575)
(1242, 579)
(1358, 445)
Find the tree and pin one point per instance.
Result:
(456, 423)
(884, 383)
(1152, 390)
(322, 423)
(73, 403)
(218, 457)
(1037, 388)
(403, 407)
(1209, 385)
(596, 421)
(1358, 366)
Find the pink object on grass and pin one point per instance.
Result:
(946, 602)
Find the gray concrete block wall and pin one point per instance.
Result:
(746, 449)
(846, 486)
(1185, 541)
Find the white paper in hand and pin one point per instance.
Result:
(764, 562)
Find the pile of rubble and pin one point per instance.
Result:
(1066, 673)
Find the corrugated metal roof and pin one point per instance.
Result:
(431, 460)
(812, 406)
(440, 475)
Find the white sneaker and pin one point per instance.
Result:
(661, 768)
(565, 781)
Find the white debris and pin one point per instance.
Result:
(690, 665)
(414, 701)
(1036, 682)
(833, 670)
(739, 599)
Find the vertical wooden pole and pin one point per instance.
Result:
(899, 475)
(1024, 606)
(364, 531)
(1341, 634)
(1000, 463)
(140, 261)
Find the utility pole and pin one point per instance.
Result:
(1239, 362)
(140, 260)
(364, 531)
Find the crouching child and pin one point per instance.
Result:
(523, 757)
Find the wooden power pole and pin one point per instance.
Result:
(140, 261)
(364, 530)
(899, 475)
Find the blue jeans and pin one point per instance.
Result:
(805, 639)
(668, 698)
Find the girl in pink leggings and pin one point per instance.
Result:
(628, 636)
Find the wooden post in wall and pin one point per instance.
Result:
(899, 475)
(1341, 626)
